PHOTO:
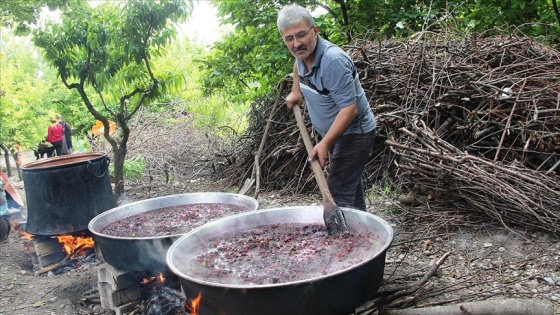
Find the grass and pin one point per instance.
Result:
(383, 192)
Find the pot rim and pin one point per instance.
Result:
(211, 224)
(93, 222)
(63, 160)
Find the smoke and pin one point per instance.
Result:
(124, 199)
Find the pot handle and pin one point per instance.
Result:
(103, 168)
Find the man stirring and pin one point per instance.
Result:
(327, 77)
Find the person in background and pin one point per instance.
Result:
(328, 80)
(54, 137)
(67, 140)
(3, 200)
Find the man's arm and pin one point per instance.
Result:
(295, 96)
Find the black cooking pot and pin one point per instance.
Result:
(4, 228)
(148, 253)
(332, 294)
(64, 193)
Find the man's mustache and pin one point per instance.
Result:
(302, 47)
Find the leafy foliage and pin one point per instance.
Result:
(248, 60)
(30, 93)
(207, 112)
(245, 63)
(107, 55)
(250, 67)
(21, 15)
(134, 168)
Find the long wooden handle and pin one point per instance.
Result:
(315, 165)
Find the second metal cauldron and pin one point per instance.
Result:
(148, 253)
(333, 294)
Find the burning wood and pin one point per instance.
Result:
(163, 297)
(136, 292)
(159, 278)
(65, 262)
(165, 301)
(194, 304)
(54, 253)
(77, 245)
(24, 234)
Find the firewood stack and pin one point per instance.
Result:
(475, 122)
(471, 123)
(496, 98)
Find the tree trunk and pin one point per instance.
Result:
(119, 155)
(7, 154)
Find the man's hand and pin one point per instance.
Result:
(320, 152)
(340, 124)
(294, 98)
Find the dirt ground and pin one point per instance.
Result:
(482, 263)
(23, 292)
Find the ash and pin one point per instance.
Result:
(162, 299)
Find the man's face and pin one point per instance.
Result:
(300, 39)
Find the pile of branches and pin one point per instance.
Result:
(475, 121)
(495, 98)
(463, 183)
(169, 144)
(164, 152)
(272, 142)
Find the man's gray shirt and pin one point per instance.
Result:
(332, 84)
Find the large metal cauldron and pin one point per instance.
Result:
(337, 293)
(148, 253)
(64, 193)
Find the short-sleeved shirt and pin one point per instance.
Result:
(332, 84)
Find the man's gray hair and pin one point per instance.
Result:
(291, 15)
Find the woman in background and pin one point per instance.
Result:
(55, 132)
(67, 135)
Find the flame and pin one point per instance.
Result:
(159, 278)
(25, 235)
(195, 303)
(71, 243)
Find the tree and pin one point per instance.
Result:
(256, 56)
(249, 61)
(21, 15)
(23, 93)
(27, 90)
(110, 49)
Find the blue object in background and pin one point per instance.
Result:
(3, 200)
